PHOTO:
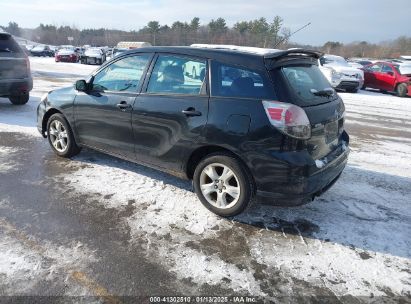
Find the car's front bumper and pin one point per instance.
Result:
(347, 83)
(41, 111)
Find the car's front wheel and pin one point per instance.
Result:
(60, 136)
(401, 90)
(19, 99)
(223, 184)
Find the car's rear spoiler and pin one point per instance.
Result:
(277, 59)
(296, 51)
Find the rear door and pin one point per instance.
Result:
(103, 114)
(170, 114)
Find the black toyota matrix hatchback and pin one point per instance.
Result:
(240, 122)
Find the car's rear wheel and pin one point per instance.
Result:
(223, 184)
(19, 99)
(401, 90)
(60, 136)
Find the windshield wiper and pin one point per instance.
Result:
(327, 92)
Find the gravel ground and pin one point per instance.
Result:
(111, 231)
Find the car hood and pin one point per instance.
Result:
(344, 69)
(405, 70)
(92, 54)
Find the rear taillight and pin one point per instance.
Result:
(28, 65)
(288, 119)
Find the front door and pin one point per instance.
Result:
(387, 78)
(171, 112)
(370, 75)
(103, 113)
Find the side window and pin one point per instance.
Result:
(177, 75)
(386, 68)
(123, 75)
(233, 81)
(375, 68)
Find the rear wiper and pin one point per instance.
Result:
(327, 92)
(5, 50)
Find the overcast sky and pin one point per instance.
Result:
(336, 20)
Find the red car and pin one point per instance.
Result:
(387, 77)
(66, 55)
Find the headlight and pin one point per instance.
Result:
(44, 97)
(335, 74)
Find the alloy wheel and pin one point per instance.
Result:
(220, 185)
(58, 136)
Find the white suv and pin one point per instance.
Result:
(340, 74)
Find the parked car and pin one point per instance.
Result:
(42, 51)
(237, 134)
(133, 44)
(360, 62)
(15, 76)
(388, 77)
(114, 52)
(67, 55)
(340, 74)
(93, 56)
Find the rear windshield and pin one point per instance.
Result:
(302, 79)
(7, 44)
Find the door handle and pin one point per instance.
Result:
(123, 105)
(191, 112)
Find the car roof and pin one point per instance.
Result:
(247, 56)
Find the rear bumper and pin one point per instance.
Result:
(303, 190)
(15, 86)
(304, 179)
(66, 59)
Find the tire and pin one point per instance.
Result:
(241, 183)
(19, 100)
(352, 90)
(401, 90)
(65, 146)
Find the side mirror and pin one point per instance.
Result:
(81, 85)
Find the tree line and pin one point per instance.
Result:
(258, 32)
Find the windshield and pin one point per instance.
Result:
(7, 44)
(305, 80)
